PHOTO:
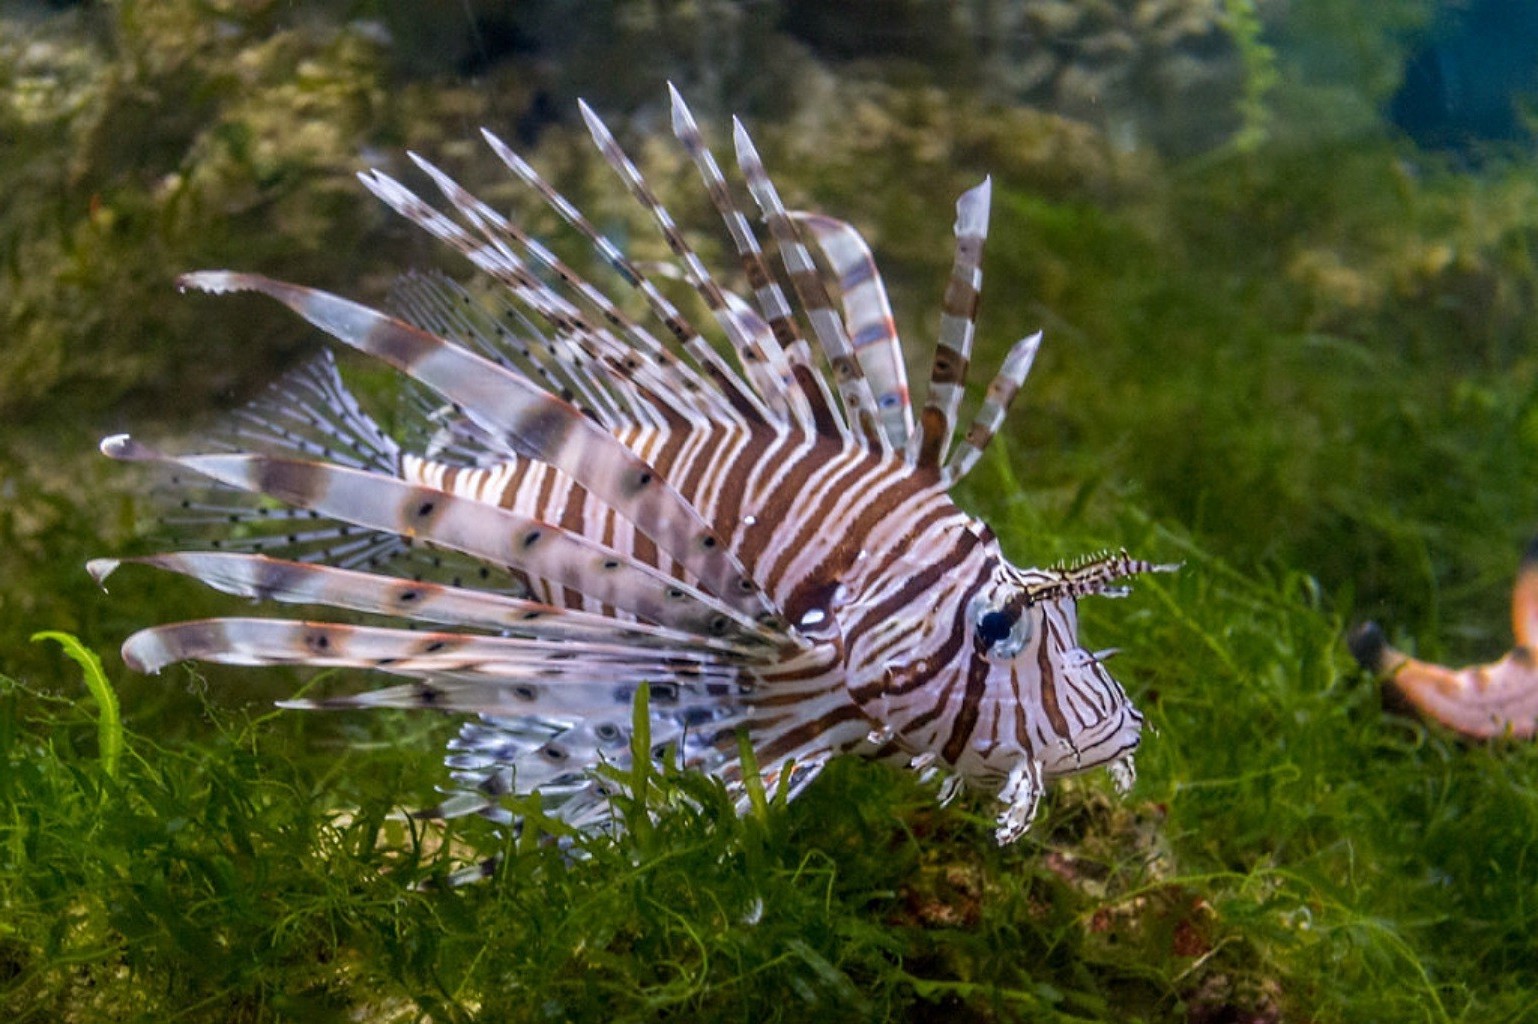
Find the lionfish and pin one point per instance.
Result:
(774, 557)
(1481, 702)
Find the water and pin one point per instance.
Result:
(1283, 260)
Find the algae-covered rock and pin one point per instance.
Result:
(147, 139)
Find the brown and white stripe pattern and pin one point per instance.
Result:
(770, 555)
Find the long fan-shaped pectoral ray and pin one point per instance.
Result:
(810, 401)
(534, 422)
(566, 699)
(854, 390)
(990, 416)
(260, 577)
(309, 412)
(868, 317)
(495, 535)
(443, 307)
(958, 324)
(410, 652)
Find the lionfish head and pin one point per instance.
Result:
(1067, 709)
(995, 685)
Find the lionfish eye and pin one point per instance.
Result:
(1003, 632)
(993, 626)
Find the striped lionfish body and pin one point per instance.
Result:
(774, 557)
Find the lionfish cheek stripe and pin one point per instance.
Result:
(598, 506)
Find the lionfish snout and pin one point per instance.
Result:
(1109, 740)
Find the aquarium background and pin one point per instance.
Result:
(1282, 252)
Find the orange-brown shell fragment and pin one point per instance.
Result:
(1479, 701)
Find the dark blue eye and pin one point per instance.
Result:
(993, 626)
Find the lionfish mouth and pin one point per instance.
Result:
(1111, 740)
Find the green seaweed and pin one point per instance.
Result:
(109, 725)
(1260, 66)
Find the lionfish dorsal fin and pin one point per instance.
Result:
(668, 382)
(535, 423)
(958, 324)
(743, 397)
(734, 406)
(810, 402)
(669, 385)
(867, 319)
(853, 389)
(1001, 393)
(647, 378)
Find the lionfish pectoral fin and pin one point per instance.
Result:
(262, 578)
(498, 536)
(536, 424)
(101, 568)
(493, 660)
(1021, 797)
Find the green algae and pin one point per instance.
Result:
(109, 723)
